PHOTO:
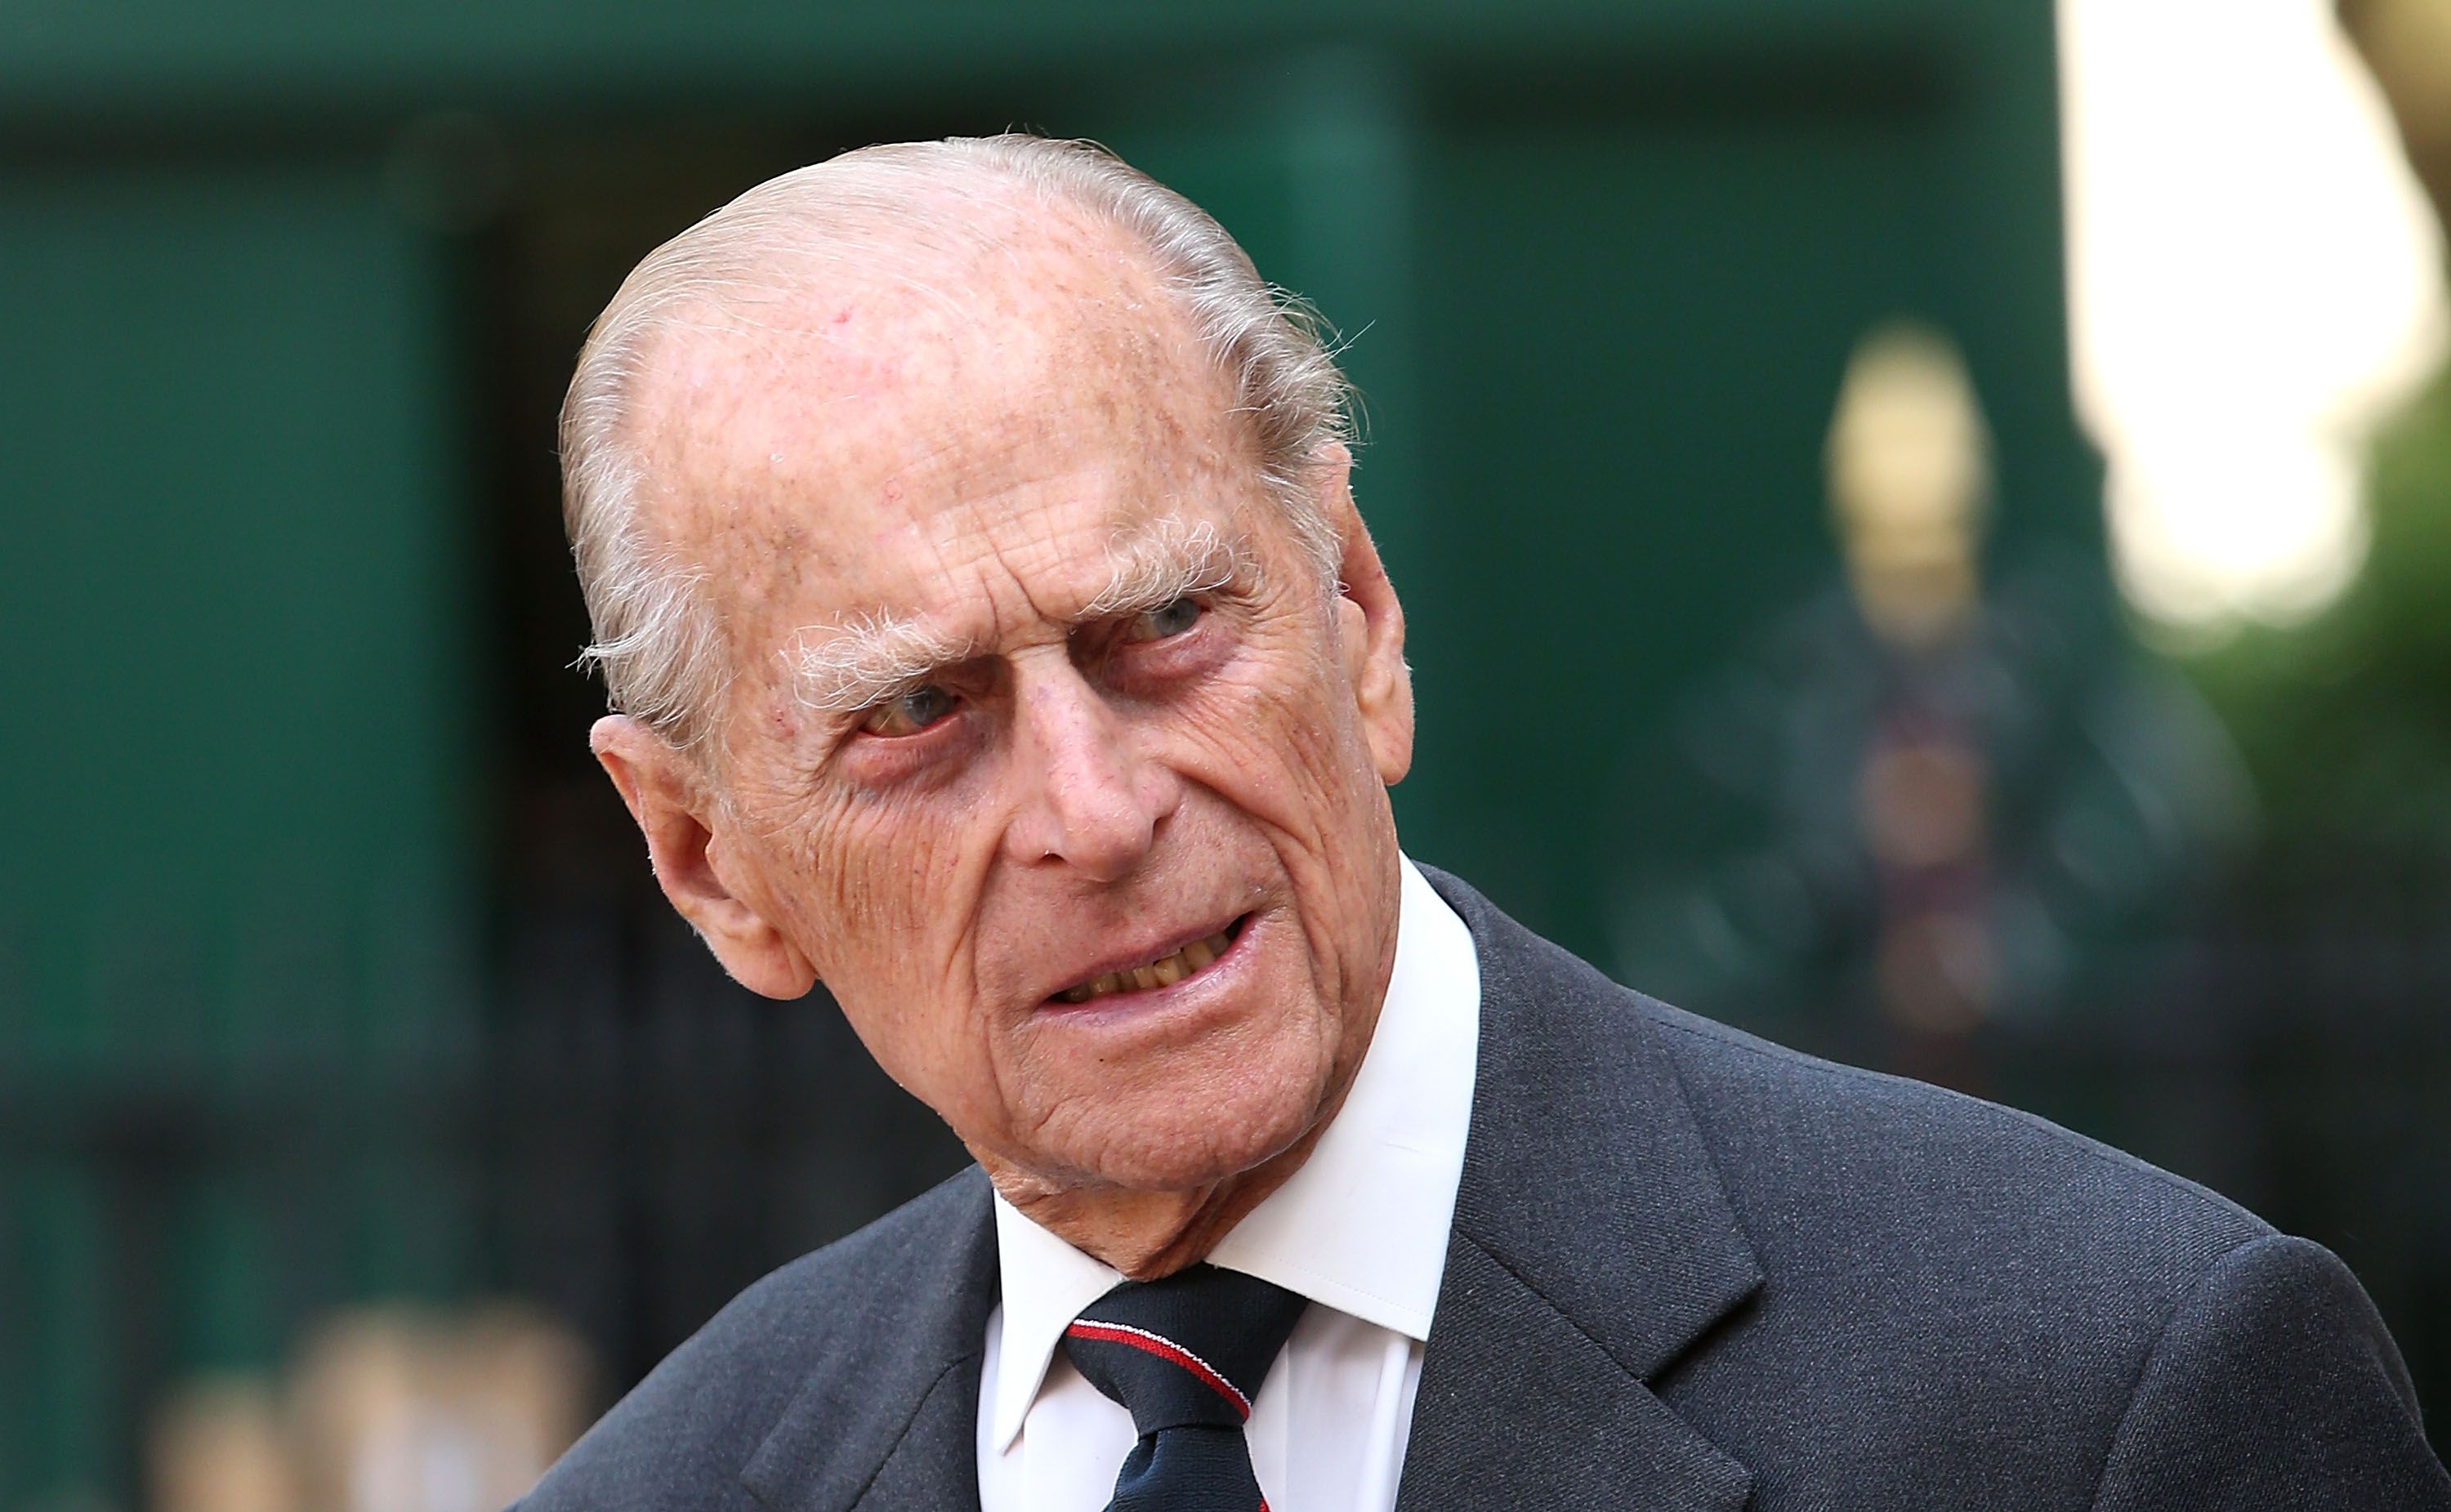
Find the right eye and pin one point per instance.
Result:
(909, 712)
(1164, 623)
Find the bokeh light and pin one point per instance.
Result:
(2255, 280)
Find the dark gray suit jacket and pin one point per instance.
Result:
(1689, 1270)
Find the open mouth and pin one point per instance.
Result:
(1163, 971)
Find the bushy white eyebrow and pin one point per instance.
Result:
(1165, 562)
(870, 659)
(867, 660)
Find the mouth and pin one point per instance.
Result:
(1186, 960)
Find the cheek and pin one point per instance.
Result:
(881, 874)
(885, 914)
(1279, 743)
(871, 891)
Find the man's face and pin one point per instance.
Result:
(1047, 750)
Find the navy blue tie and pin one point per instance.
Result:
(1184, 1356)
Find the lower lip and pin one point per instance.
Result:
(1139, 998)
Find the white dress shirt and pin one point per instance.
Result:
(1360, 1229)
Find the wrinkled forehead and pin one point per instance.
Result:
(812, 445)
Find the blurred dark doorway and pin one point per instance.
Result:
(655, 1136)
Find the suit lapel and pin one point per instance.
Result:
(1593, 1248)
(888, 1422)
(935, 1467)
(1518, 1409)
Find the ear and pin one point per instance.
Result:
(696, 862)
(1370, 624)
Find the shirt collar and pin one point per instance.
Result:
(1361, 1226)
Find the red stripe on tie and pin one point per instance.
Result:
(1168, 1350)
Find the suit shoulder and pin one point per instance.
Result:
(681, 1437)
(1934, 1266)
(1797, 1135)
(1838, 1168)
(2279, 1333)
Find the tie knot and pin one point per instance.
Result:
(1190, 1350)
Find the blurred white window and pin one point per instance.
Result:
(2255, 280)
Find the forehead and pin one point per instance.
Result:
(897, 436)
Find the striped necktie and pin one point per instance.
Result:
(1184, 1356)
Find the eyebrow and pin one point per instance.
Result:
(871, 658)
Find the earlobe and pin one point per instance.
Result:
(667, 798)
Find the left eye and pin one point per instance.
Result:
(910, 713)
(1164, 624)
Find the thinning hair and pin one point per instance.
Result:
(655, 636)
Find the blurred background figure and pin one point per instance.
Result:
(383, 1410)
(1968, 486)
(1951, 797)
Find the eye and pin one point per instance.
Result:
(1166, 623)
(909, 712)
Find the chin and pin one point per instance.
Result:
(1196, 1139)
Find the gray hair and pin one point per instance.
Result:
(655, 637)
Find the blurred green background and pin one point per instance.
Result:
(330, 974)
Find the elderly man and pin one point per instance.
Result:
(968, 537)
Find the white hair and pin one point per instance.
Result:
(656, 636)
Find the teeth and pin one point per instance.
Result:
(1173, 969)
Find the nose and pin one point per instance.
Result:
(1093, 801)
